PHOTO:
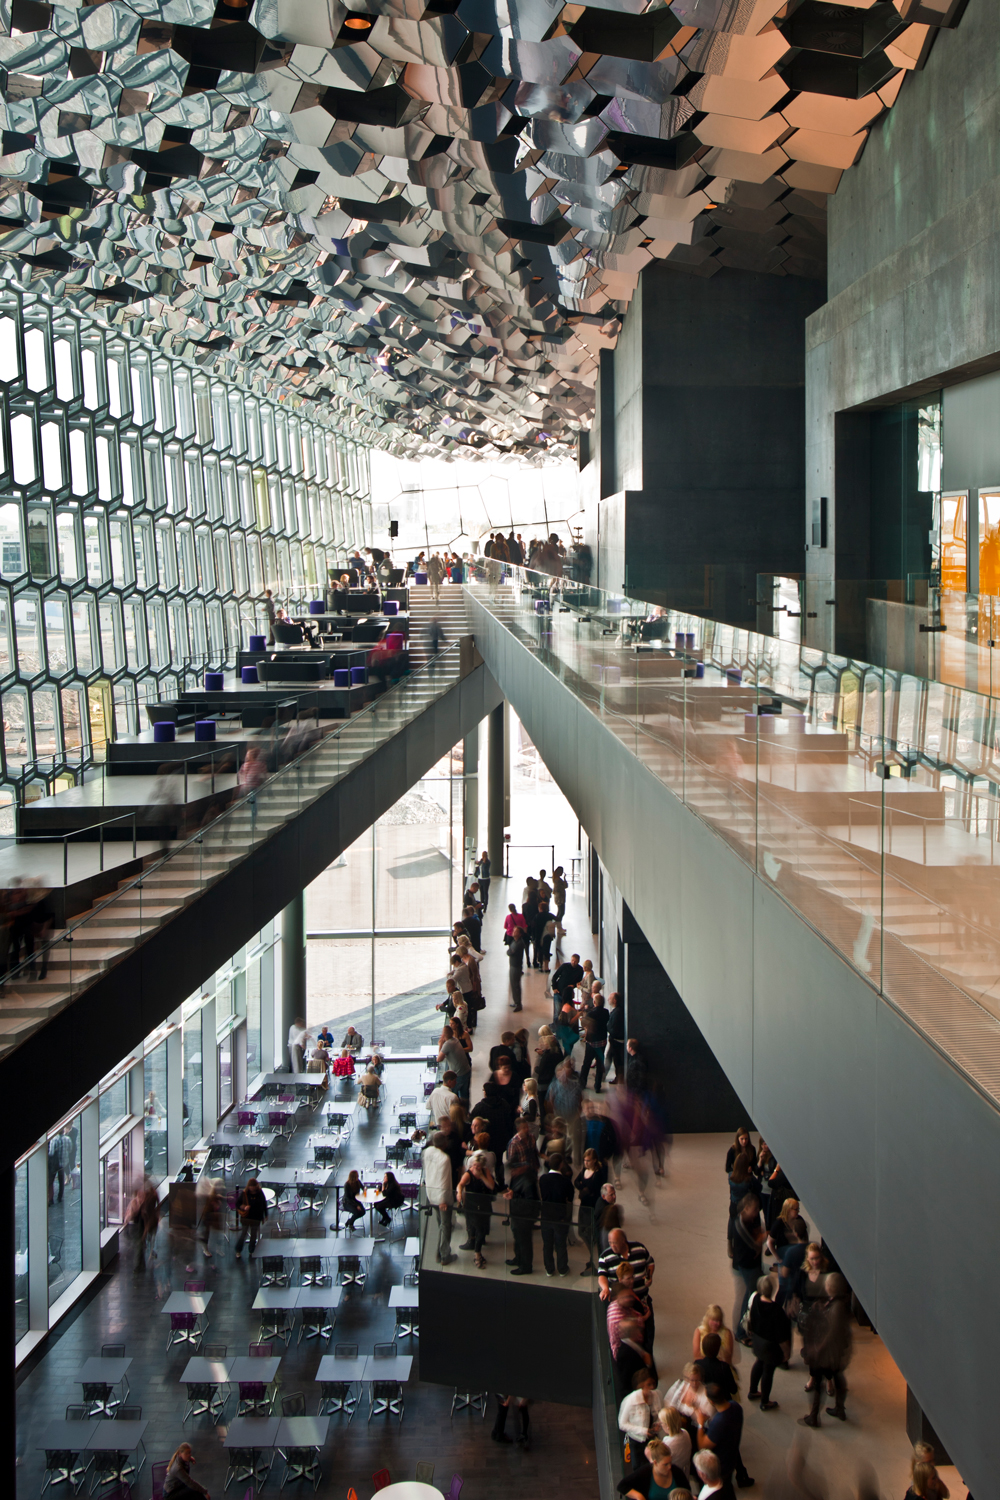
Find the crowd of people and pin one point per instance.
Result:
(535, 1158)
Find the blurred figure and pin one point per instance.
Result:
(826, 1347)
(253, 771)
(209, 1217)
(435, 575)
(178, 1483)
(163, 796)
(436, 639)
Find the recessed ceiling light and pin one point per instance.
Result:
(357, 23)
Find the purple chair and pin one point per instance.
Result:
(159, 1471)
(429, 1087)
(164, 732)
(253, 1395)
(183, 1328)
(257, 643)
(456, 1487)
(246, 1119)
(277, 1120)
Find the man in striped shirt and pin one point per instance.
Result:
(620, 1248)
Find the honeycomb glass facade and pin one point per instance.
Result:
(144, 508)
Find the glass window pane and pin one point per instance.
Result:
(20, 1246)
(192, 1079)
(114, 1106)
(154, 1111)
(65, 1245)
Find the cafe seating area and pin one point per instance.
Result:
(294, 1368)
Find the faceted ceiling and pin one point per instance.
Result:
(430, 216)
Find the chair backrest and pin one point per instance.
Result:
(293, 1405)
(112, 1351)
(78, 1413)
(128, 1413)
(181, 1321)
(345, 1351)
(310, 1264)
(272, 1265)
(214, 1351)
(381, 1479)
(191, 1286)
(159, 1472)
(260, 1351)
(251, 1390)
(456, 1487)
(385, 1351)
(424, 1473)
(349, 1262)
(411, 1278)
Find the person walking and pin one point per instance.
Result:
(61, 1152)
(559, 892)
(440, 1192)
(297, 1038)
(251, 1207)
(515, 964)
(435, 575)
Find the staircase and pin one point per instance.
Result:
(95, 940)
(448, 610)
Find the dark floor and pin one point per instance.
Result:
(126, 1308)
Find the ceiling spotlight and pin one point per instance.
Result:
(358, 23)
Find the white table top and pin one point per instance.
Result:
(404, 1296)
(186, 1302)
(410, 1489)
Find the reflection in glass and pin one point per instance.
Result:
(154, 1111)
(65, 1218)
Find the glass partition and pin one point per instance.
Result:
(65, 1219)
(867, 797)
(154, 1111)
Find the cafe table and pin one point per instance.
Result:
(405, 1299)
(256, 1436)
(99, 1370)
(115, 1436)
(206, 1372)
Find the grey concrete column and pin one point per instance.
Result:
(293, 968)
(495, 790)
(470, 798)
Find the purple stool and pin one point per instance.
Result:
(359, 674)
(317, 607)
(204, 729)
(420, 578)
(689, 641)
(249, 674)
(390, 607)
(699, 670)
(342, 676)
(214, 682)
(679, 640)
(164, 732)
(256, 643)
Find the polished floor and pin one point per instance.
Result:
(126, 1307)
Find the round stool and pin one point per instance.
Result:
(249, 674)
(164, 732)
(204, 729)
(214, 682)
(256, 643)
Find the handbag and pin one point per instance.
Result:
(745, 1320)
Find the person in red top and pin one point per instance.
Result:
(343, 1066)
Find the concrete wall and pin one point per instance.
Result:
(706, 394)
(888, 1143)
(914, 255)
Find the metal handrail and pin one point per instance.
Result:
(248, 800)
(54, 838)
